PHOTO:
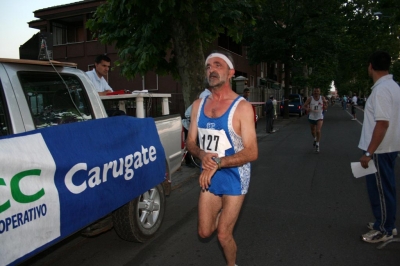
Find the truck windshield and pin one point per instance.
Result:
(53, 100)
(4, 129)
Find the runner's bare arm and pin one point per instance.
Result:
(209, 167)
(306, 105)
(191, 141)
(325, 106)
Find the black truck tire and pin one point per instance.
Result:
(140, 219)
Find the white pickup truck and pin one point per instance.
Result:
(35, 95)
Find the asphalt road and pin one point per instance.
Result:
(302, 208)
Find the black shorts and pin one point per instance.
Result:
(313, 122)
(353, 109)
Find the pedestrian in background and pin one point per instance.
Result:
(269, 114)
(275, 104)
(380, 141)
(353, 106)
(246, 94)
(344, 102)
(224, 124)
(348, 102)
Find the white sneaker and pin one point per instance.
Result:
(375, 236)
(354, 119)
(317, 148)
(371, 226)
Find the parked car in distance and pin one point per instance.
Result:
(295, 103)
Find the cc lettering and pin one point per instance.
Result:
(16, 191)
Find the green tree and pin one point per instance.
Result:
(170, 36)
(300, 34)
(369, 26)
(396, 70)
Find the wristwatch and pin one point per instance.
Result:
(368, 154)
(217, 160)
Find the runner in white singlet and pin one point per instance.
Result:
(315, 106)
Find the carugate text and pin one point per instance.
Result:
(121, 167)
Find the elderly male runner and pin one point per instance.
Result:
(228, 143)
(315, 105)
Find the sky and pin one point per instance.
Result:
(14, 18)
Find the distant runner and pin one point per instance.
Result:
(315, 105)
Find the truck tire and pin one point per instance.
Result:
(140, 219)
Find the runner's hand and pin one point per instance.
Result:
(207, 163)
(205, 177)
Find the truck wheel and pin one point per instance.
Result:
(140, 219)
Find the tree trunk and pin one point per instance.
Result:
(190, 59)
(305, 73)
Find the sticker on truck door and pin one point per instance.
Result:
(29, 203)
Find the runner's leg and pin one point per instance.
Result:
(313, 130)
(231, 206)
(209, 208)
(318, 128)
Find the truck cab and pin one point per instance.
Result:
(36, 95)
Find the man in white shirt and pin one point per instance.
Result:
(353, 106)
(204, 93)
(275, 103)
(102, 65)
(380, 141)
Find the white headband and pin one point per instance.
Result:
(223, 57)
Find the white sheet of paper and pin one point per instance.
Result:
(359, 171)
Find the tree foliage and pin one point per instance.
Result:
(302, 34)
(332, 37)
(396, 70)
(168, 36)
(369, 25)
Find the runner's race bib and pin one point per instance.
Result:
(214, 141)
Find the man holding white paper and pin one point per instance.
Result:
(380, 141)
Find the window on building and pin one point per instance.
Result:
(52, 100)
(69, 30)
(59, 36)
